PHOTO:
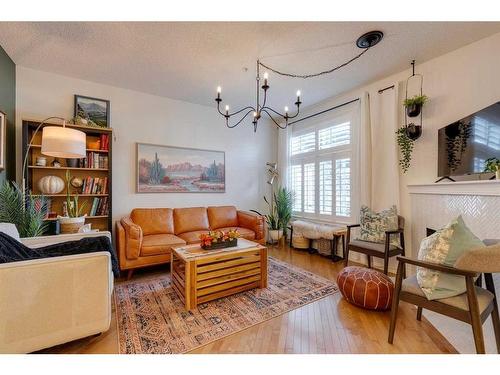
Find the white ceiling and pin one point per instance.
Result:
(187, 60)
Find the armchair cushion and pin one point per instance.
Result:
(153, 220)
(223, 216)
(444, 247)
(484, 297)
(375, 224)
(156, 244)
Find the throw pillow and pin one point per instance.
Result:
(373, 225)
(444, 247)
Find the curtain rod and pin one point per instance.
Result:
(324, 111)
(385, 88)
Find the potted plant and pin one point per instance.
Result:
(273, 223)
(26, 212)
(405, 144)
(493, 165)
(414, 105)
(284, 202)
(75, 218)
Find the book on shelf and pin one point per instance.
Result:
(99, 207)
(104, 142)
(95, 185)
(95, 160)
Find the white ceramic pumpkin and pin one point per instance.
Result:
(51, 185)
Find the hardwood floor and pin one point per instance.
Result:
(330, 325)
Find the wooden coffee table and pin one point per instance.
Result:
(203, 275)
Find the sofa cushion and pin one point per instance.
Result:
(156, 244)
(245, 233)
(190, 219)
(192, 237)
(153, 220)
(223, 216)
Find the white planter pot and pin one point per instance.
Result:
(71, 224)
(275, 234)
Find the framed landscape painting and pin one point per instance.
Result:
(169, 169)
(93, 109)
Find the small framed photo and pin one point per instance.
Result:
(92, 109)
(3, 142)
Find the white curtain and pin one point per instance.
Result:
(363, 156)
(384, 152)
(283, 155)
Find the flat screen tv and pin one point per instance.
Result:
(465, 145)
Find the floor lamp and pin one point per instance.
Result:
(58, 142)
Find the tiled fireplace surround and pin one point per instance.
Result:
(432, 206)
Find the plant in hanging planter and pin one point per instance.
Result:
(457, 136)
(75, 218)
(414, 105)
(406, 145)
(493, 165)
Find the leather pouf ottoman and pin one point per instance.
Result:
(366, 287)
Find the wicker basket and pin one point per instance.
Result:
(300, 242)
(71, 224)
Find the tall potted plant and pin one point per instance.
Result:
(284, 202)
(273, 223)
(75, 217)
(25, 211)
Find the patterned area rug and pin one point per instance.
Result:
(152, 318)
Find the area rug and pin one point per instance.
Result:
(152, 318)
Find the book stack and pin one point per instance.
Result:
(104, 142)
(96, 160)
(99, 207)
(95, 185)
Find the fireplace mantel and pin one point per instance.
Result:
(488, 187)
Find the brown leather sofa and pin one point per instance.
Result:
(145, 238)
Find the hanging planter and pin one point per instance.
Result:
(413, 108)
(414, 105)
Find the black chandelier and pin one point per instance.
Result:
(365, 42)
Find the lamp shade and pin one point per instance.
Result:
(63, 142)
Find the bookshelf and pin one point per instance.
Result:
(98, 156)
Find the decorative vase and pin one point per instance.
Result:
(71, 224)
(275, 234)
(51, 185)
(413, 131)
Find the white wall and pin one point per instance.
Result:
(458, 84)
(139, 117)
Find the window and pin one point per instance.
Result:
(321, 170)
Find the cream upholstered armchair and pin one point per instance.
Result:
(47, 302)
(472, 307)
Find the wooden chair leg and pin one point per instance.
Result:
(129, 274)
(386, 264)
(346, 258)
(419, 313)
(475, 318)
(488, 279)
(395, 303)
(369, 258)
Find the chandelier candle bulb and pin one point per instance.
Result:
(266, 76)
(227, 110)
(219, 90)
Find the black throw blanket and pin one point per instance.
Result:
(12, 250)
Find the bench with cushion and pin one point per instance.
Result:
(147, 236)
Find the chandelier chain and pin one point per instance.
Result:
(305, 76)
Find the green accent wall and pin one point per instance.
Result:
(8, 106)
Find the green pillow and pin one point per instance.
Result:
(444, 247)
(373, 225)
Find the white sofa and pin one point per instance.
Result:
(47, 302)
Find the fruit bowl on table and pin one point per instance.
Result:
(219, 240)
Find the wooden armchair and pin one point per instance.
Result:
(472, 307)
(372, 249)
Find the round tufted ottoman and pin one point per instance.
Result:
(365, 287)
